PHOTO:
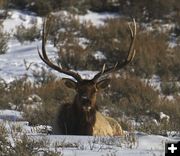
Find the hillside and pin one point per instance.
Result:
(143, 97)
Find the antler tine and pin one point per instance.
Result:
(132, 51)
(129, 58)
(44, 57)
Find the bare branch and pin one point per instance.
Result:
(27, 66)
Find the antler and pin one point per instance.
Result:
(44, 57)
(130, 56)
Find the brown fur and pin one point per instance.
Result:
(82, 116)
(72, 121)
(106, 126)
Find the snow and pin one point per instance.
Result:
(18, 18)
(12, 64)
(154, 82)
(97, 19)
(158, 25)
(10, 114)
(164, 116)
(99, 56)
(143, 144)
(146, 145)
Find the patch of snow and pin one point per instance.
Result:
(41, 129)
(146, 145)
(155, 122)
(143, 145)
(83, 42)
(154, 82)
(12, 64)
(99, 56)
(164, 116)
(18, 18)
(23, 127)
(158, 25)
(172, 45)
(167, 97)
(10, 115)
(34, 98)
(133, 123)
(97, 19)
(170, 97)
(33, 102)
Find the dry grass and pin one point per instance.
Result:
(23, 145)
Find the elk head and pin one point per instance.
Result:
(86, 89)
(86, 92)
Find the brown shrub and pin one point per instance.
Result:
(69, 41)
(151, 53)
(14, 93)
(154, 57)
(53, 94)
(27, 34)
(146, 10)
(112, 39)
(131, 96)
(3, 40)
(23, 145)
(171, 108)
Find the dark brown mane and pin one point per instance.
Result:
(72, 121)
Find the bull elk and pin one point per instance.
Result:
(82, 117)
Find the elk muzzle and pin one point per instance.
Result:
(86, 103)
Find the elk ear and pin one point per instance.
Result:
(103, 84)
(70, 83)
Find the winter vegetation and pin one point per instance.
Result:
(84, 35)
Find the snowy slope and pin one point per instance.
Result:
(97, 18)
(12, 66)
(12, 63)
(18, 18)
(143, 145)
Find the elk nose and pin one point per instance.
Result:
(85, 99)
(87, 109)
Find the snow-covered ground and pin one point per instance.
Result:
(17, 18)
(136, 144)
(97, 18)
(145, 145)
(13, 65)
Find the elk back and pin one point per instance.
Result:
(106, 126)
